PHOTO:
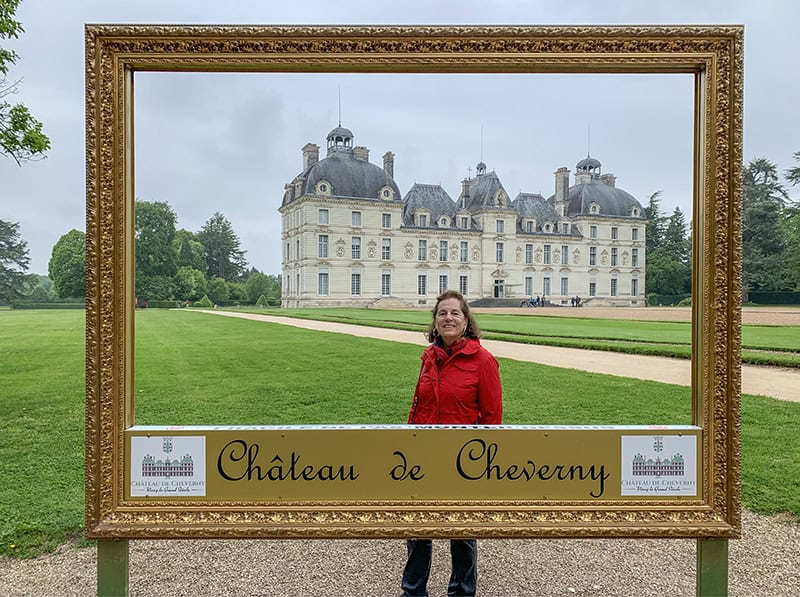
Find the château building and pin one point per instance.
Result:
(351, 239)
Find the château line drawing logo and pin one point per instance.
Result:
(659, 465)
(164, 466)
(167, 468)
(673, 466)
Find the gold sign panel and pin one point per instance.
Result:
(384, 464)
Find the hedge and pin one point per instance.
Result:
(21, 305)
(773, 298)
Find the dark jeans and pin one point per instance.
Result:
(464, 578)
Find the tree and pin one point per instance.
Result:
(257, 284)
(14, 261)
(656, 223)
(21, 135)
(190, 284)
(154, 231)
(793, 174)
(218, 290)
(762, 242)
(676, 238)
(189, 252)
(67, 266)
(224, 256)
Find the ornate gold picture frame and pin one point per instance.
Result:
(713, 55)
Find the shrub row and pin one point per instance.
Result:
(23, 305)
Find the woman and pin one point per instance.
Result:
(459, 384)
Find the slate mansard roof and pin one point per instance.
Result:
(350, 175)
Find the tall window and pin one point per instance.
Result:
(564, 255)
(592, 288)
(442, 283)
(528, 285)
(564, 228)
(322, 250)
(546, 285)
(356, 247)
(634, 257)
(613, 256)
(355, 283)
(500, 226)
(529, 226)
(592, 231)
(528, 255)
(499, 252)
(547, 254)
(422, 220)
(386, 249)
(297, 249)
(422, 250)
(322, 283)
(614, 233)
(465, 222)
(288, 254)
(297, 283)
(634, 287)
(613, 287)
(564, 286)
(634, 234)
(386, 283)
(355, 218)
(422, 284)
(324, 216)
(442, 250)
(463, 284)
(386, 220)
(463, 253)
(592, 255)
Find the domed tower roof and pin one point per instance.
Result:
(340, 139)
(349, 177)
(588, 164)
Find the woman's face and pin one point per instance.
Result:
(450, 320)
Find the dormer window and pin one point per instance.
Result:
(635, 212)
(324, 187)
(444, 222)
(422, 220)
(530, 226)
(548, 227)
(386, 193)
(594, 208)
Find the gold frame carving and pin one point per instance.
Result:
(712, 54)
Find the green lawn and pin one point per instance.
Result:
(193, 368)
(761, 344)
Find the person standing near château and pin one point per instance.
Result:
(459, 384)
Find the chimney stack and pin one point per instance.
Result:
(609, 179)
(361, 153)
(310, 155)
(388, 164)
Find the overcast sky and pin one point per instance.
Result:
(228, 143)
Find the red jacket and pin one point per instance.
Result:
(463, 390)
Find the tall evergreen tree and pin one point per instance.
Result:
(14, 261)
(763, 244)
(656, 223)
(224, 255)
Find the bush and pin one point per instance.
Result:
(163, 304)
(262, 301)
(203, 302)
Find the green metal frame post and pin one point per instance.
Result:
(712, 567)
(112, 568)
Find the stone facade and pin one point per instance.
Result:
(349, 239)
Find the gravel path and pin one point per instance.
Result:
(764, 562)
